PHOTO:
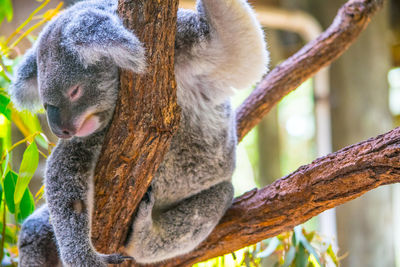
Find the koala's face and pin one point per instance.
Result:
(79, 100)
(75, 65)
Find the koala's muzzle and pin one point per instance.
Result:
(57, 124)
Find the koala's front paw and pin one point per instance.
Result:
(115, 258)
(93, 259)
(148, 196)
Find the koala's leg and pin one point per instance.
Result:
(37, 246)
(222, 44)
(159, 235)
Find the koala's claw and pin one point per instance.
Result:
(116, 258)
(147, 195)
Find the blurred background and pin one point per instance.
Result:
(357, 97)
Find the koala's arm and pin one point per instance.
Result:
(221, 45)
(159, 235)
(69, 185)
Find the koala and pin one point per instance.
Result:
(72, 71)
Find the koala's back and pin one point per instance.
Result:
(201, 154)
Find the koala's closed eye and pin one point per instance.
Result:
(75, 93)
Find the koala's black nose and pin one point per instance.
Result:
(53, 114)
(58, 127)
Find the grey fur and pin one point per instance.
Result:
(23, 90)
(83, 48)
(36, 244)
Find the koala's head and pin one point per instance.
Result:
(72, 70)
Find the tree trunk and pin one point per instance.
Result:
(145, 119)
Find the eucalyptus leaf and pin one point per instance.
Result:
(309, 248)
(30, 161)
(273, 244)
(4, 101)
(5, 166)
(298, 234)
(27, 205)
(301, 257)
(1, 194)
(289, 257)
(247, 260)
(32, 124)
(9, 234)
(6, 10)
(332, 255)
(9, 183)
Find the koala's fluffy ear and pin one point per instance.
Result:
(24, 90)
(96, 35)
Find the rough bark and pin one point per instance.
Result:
(145, 119)
(325, 183)
(351, 20)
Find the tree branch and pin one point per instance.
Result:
(351, 20)
(145, 119)
(325, 183)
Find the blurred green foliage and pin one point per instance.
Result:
(6, 10)
(297, 248)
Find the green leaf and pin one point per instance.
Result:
(301, 257)
(309, 248)
(4, 101)
(310, 236)
(42, 142)
(332, 255)
(32, 124)
(5, 166)
(1, 195)
(10, 181)
(298, 234)
(289, 257)
(273, 244)
(247, 259)
(30, 161)
(6, 10)
(9, 233)
(27, 205)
